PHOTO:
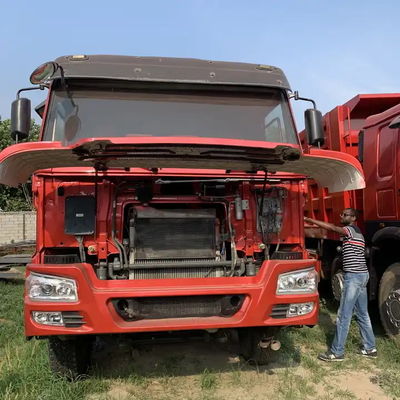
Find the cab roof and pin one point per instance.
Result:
(175, 70)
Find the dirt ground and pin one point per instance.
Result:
(201, 370)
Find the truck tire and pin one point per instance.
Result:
(249, 342)
(389, 301)
(70, 358)
(337, 278)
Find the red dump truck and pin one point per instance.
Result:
(170, 198)
(367, 126)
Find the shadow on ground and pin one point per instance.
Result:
(327, 321)
(116, 356)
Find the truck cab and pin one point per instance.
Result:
(169, 197)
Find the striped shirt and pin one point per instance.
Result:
(353, 250)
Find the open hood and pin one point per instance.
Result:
(334, 170)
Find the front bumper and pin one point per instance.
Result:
(95, 304)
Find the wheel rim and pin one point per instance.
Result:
(392, 305)
(337, 285)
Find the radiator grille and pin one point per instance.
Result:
(133, 309)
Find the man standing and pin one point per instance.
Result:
(354, 296)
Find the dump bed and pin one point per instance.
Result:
(342, 127)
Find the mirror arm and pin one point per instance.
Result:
(296, 96)
(40, 87)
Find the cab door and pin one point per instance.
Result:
(387, 173)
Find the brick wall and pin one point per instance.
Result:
(17, 226)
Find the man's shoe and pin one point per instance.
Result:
(369, 353)
(329, 356)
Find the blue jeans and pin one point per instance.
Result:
(354, 298)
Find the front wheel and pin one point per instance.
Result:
(389, 301)
(70, 357)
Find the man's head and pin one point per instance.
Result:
(348, 216)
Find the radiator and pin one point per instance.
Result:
(171, 234)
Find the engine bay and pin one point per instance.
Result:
(171, 227)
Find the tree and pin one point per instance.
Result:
(14, 199)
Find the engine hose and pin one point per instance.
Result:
(233, 245)
(121, 250)
(111, 271)
(260, 212)
(82, 254)
(115, 241)
(232, 237)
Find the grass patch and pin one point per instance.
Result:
(293, 386)
(236, 377)
(344, 394)
(208, 380)
(313, 366)
(389, 381)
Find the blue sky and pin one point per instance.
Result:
(330, 50)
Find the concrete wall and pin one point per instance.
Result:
(17, 226)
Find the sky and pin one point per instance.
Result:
(330, 50)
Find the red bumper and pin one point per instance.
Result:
(95, 300)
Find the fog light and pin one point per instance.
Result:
(299, 309)
(48, 318)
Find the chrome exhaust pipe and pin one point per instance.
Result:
(275, 345)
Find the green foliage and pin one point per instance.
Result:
(13, 199)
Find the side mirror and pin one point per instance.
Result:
(20, 118)
(314, 128)
(395, 123)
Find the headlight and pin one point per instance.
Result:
(50, 288)
(303, 281)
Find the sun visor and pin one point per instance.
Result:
(334, 170)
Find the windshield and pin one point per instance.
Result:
(105, 113)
